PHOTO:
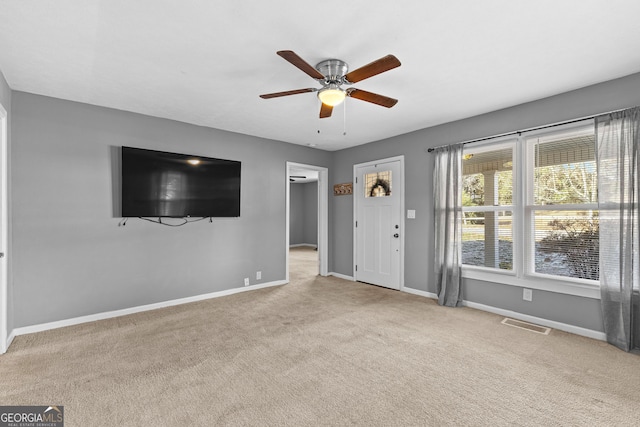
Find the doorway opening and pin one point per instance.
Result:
(306, 219)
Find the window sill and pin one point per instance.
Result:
(540, 282)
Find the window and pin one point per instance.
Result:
(530, 207)
(562, 204)
(487, 204)
(377, 184)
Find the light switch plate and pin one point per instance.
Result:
(411, 214)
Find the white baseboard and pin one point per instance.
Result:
(10, 338)
(309, 245)
(342, 276)
(116, 313)
(419, 292)
(589, 333)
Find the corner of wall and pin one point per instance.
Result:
(6, 102)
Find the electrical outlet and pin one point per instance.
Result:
(246, 281)
(258, 275)
(527, 294)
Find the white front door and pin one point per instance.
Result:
(378, 196)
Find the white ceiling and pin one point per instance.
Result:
(206, 62)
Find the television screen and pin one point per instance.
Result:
(159, 184)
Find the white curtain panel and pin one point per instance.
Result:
(617, 139)
(447, 192)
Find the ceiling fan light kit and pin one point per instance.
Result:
(332, 74)
(332, 95)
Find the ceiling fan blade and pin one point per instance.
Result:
(381, 65)
(287, 93)
(374, 98)
(325, 111)
(294, 59)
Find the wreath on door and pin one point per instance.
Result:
(380, 186)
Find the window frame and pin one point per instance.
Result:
(523, 273)
(492, 145)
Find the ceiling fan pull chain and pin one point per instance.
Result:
(344, 120)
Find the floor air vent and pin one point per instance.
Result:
(528, 326)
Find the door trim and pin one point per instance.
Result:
(323, 216)
(402, 214)
(4, 231)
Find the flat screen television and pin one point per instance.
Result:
(160, 184)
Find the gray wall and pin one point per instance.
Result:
(310, 213)
(5, 100)
(70, 257)
(303, 217)
(296, 214)
(582, 312)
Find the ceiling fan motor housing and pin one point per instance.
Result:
(333, 70)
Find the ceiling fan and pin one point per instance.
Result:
(332, 74)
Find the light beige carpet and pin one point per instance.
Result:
(320, 351)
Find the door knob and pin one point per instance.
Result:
(396, 235)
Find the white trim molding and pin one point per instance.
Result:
(5, 339)
(577, 330)
(402, 219)
(420, 293)
(540, 282)
(342, 276)
(126, 311)
(12, 335)
(323, 215)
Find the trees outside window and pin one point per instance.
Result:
(530, 205)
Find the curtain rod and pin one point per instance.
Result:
(519, 132)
